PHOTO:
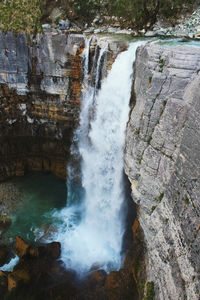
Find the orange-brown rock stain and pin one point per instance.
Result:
(135, 258)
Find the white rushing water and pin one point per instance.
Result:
(9, 267)
(93, 229)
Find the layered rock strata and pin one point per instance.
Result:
(162, 161)
(40, 92)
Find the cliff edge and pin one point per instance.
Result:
(162, 162)
(40, 96)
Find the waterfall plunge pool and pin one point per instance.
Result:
(35, 199)
(40, 200)
(92, 224)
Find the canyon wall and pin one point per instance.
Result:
(162, 162)
(39, 98)
(40, 95)
(40, 90)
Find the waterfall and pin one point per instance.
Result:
(93, 227)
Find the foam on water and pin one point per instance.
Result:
(93, 228)
(9, 267)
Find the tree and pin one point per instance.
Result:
(141, 12)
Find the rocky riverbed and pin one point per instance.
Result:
(41, 274)
(185, 26)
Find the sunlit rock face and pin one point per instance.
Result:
(40, 94)
(162, 162)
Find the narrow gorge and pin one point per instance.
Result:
(65, 101)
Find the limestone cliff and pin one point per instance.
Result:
(40, 90)
(162, 161)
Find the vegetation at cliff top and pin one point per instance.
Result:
(143, 12)
(20, 15)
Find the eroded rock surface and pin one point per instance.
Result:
(40, 91)
(162, 161)
(39, 98)
(41, 274)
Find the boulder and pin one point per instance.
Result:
(17, 277)
(55, 14)
(5, 223)
(50, 251)
(64, 24)
(33, 252)
(97, 277)
(162, 32)
(46, 27)
(150, 33)
(96, 266)
(63, 290)
(96, 20)
(120, 285)
(22, 247)
(4, 253)
(3, 282)
(112, 285)
(42, 277)
(93, 286)
(53, 250)
(46, 232)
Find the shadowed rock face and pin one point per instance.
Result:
(40, 274)
(39, 98)
(40, 90)
(162, 162)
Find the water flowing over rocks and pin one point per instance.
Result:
(40, 274)
(100, 143)
(162, 163)
(40, 88)
(41, 80)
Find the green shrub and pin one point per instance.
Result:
(149, 291)
(161, 65)
(164, 102)
(138, 131)
(141, 12)
(20, 15)
(160, 197)
(186, 200)
(149, 140)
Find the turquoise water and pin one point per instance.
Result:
(42, 196)
(177, 42)
(40, 212)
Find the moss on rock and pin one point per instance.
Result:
(149, 291)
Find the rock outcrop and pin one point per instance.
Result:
(41, 274)
(40, 90)
(39, 98)
(162, 162)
